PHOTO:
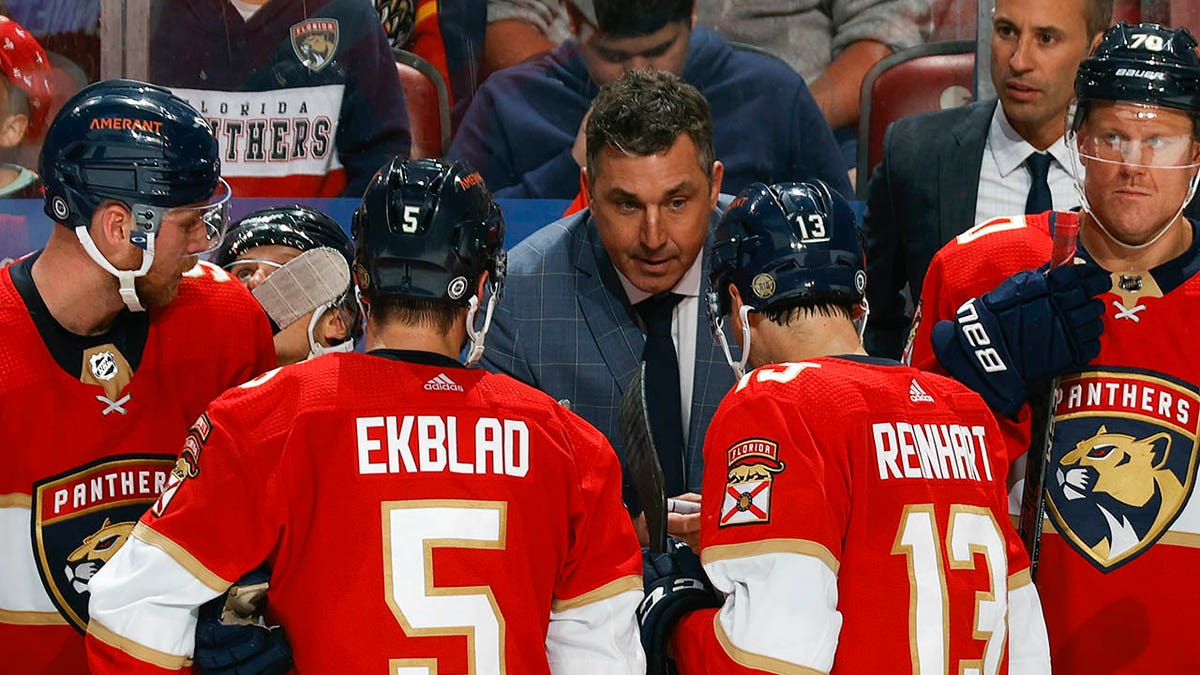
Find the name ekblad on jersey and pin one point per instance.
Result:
(80, 519)
(1123, 463)
(431, 444)
(937, 451)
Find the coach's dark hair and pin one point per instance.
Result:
(633, 18)
(1097, 16)
(643, 113)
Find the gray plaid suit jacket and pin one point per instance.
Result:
(564, 325)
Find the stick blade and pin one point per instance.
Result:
(634, 422)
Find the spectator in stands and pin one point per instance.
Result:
(946, 171)
(831, 45)
(25, 96)
(304, 96)
(591, 297)
(525, 128)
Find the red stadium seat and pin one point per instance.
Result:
(925, 78)
(428, 103)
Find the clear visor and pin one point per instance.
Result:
(1136, 135)
(244, 270)
(213, 216)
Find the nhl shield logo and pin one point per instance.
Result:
(81, 518)
(1123, 461)
(753, 464)
(315, 42)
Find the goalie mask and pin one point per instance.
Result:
(780, 244)
(428, 229)
(139, 145)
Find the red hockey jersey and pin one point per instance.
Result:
(416, 515)
(1121, 518)
(854, 516)
(83, 461)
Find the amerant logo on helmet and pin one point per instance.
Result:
(470, 180)
(126, 123)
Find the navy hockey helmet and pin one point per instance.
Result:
(1143, 63)
(133, 142)
(427, 229)
(784, 242)
(296, 226)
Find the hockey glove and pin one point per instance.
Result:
(675, 584)
(231, 639)
(1034, 326)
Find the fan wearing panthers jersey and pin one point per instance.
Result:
(1121, 517)
(833, 479)
(304, 97)
(448, 520)
(115, 339)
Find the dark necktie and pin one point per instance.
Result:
(662, 388)
(1039, 199)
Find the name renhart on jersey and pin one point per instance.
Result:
(431, 444)
(942, 451)
(139, 483)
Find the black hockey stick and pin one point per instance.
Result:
(1041, 427)
(634, 422)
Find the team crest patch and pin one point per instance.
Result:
(1123, 461)
(315, 42)
(763, 285)
(753, 464)
(81, 518)
(188, 464)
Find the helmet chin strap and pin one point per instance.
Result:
(478, 336)
(739, 366)
(315, 348)
(125, 277)
(861, 322)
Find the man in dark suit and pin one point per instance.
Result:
(591, 297)
(944, 172)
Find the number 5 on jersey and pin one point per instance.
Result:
(411, 530)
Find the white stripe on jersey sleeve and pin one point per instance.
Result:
(599, 638)
(780, 606)
(1028, 645)
(146, 597)
(21, 587)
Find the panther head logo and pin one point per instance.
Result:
(1128, 482)
(97, 549)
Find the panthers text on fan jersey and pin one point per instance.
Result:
(854, 516)
(437, 519)
(1121, 519)
(86, 455)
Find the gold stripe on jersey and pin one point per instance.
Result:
(105, 366)
(32, 618)
(609, 590)
(799, 546)
(16, 500)
(181, 556)
(1019, 580)
(141, 652)
(758, 661)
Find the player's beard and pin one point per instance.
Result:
(156, 293)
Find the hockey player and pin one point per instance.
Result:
(115, 339)
(311, 302)
(417, 515)
(1122, 517)
(853, 518)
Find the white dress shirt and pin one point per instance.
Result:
(1004, 181)
(686, 314)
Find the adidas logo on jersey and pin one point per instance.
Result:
(917, 395)
(442, 382)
